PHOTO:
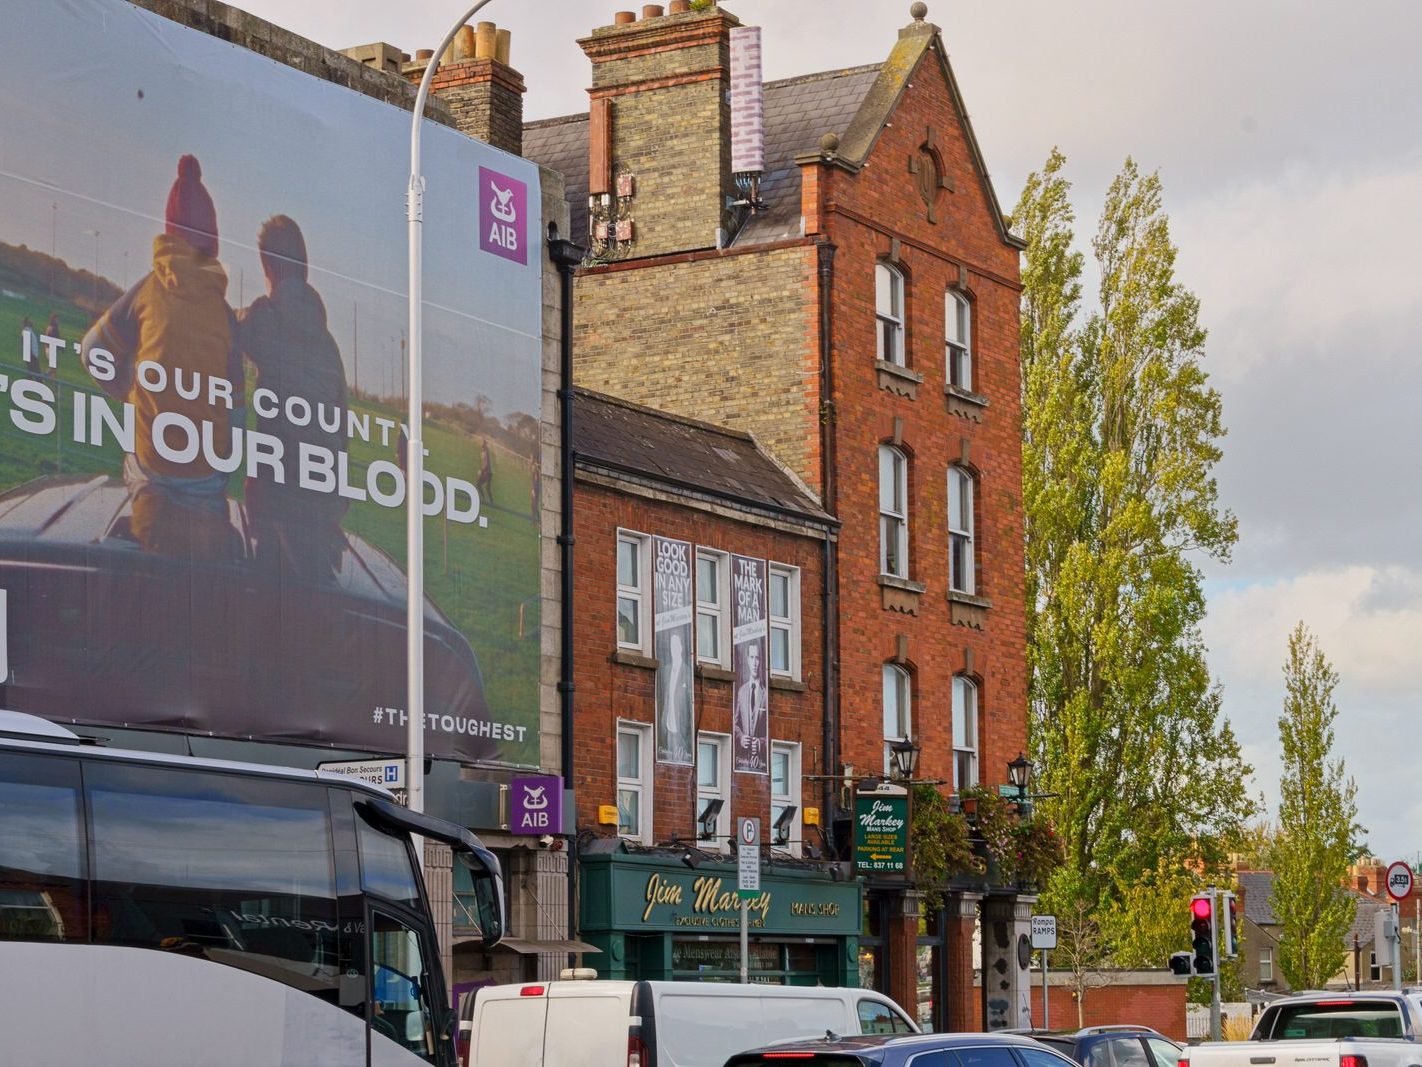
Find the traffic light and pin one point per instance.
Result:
(1202, 934)
(1230, 948)
(1180, 964)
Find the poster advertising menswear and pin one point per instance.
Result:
(202, 364)
(672, 595)
(750, 724)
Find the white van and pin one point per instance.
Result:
(579, 1023)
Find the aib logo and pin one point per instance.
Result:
(503, 212)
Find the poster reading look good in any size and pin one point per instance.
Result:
(203, 352)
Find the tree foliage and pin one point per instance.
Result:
(1121, 435)
(1318, 830)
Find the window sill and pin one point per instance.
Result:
(968, 610)
(634, 659)
(790, 685)
(713, 673)
(896, 379)
(965, 404)
(900, 594)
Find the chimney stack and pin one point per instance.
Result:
(659, 132)
(483, 92)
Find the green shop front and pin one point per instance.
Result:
(653, 917)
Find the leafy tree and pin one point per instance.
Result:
(1121, 435)
(1081, 946)
(1319, 833)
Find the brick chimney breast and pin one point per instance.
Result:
(666, 79)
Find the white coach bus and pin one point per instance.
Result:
(159, 910)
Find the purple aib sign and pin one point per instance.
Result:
(536, 805)
(503, 211)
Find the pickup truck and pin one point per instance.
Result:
(1371, 1028)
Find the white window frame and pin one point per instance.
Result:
(793, 795)
(893, 516)
(720, 611)
(889, 321)
(787, 624)
(640, 594)
(641, 785)
(962, 496)
(967, 744)
(720, 790)
(958, 340)
(895, 675)
(1266, 965)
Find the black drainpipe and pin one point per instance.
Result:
(830, 626)
(567, 256)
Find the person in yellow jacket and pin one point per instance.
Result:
(178, 318)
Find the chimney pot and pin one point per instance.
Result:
(651, 11)
(624, 18)
(424, 55)
(464, 43)
(486, 41)
(678, 7)
(503, 41)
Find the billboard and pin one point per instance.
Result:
(750, 718)
(202, 366)
(671, 585)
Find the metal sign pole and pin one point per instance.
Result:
(1396, 947)
(745, 940)
(1214, 955)
(1046, 1010)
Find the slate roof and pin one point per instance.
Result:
(1258, 885)
(683, 453)
(798, 112)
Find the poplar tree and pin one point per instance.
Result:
(1121, 435)
(1318, 831)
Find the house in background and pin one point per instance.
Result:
(1366, 966)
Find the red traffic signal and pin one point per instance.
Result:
(1202, 907)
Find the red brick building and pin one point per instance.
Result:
(657, 804)
(833, 274)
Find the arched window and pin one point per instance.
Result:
(893, 512)
(962, 562)
(965, 733)
(889, 312)
(898, 714)
(957, 332)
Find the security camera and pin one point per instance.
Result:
(547, 840)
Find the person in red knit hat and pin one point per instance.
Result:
(176, 317)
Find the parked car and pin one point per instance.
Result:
(1373, 1028)
(1115, 1046)
(905, 1050)
(610, 1023)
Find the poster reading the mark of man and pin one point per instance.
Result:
(671, 585)
(203, 355)
(750, 727)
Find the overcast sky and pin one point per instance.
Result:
(1289, 138)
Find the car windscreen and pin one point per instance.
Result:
(1332, 1019)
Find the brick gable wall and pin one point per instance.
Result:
(869, 216)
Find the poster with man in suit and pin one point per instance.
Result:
(750, 726)
(671, 594)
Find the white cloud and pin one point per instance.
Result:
(1368, 621)
(1307, 266)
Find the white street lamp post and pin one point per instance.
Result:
(414, 453)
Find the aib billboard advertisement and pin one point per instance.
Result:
(202, 402)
